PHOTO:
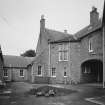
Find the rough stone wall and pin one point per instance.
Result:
(14, 75)
(60, 66)
(29, 73)
(75, 62)
(1, 68)
(42, 60)
(96, 44)
(97, 54)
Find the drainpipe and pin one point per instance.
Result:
(49, 63)
(32, 73)
(103, 32)
(103, 57)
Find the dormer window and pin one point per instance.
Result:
(90, 45)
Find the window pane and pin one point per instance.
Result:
(39, 70)
(53, 72)
(90, 45)
(60, 56)
(21, 72)
(5, 72)
(65, 55)
(65, 73)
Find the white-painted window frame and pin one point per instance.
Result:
(5, 73)
(63, 48)
(53, 73)
(90, 45)
(22, 73)
(64, 74)
(38, 70)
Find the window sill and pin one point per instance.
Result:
(63, 60)
(53, 76)
(90, 51)
(65, 76)
(6, 76)
(39, 75)
(21, 76)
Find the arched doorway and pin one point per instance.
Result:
(92, 71)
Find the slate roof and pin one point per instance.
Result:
(16, 61)
(88, 29)
(56, 37)
(53, 36)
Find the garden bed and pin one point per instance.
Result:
(50, 91)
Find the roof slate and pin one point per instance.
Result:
(53, 35)
(16, 61)
(88, 29)
(57, 37)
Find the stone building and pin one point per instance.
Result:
(15, 68)
(1, 64)
(66, 58)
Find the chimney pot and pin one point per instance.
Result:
(94, 8)
(65, 31)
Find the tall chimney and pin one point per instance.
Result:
(42, 23)
(94, 16)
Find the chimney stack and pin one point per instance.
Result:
(65, 31)
(94, 16)
(42, 23)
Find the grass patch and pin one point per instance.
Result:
(45, 90)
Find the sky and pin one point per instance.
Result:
(20, 20)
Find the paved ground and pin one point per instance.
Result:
(85, 93)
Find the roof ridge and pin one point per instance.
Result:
(57, 31)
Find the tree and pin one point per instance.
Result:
(29, 53)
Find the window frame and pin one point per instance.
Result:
(5, 73)
(22, 73)
(64, 74)
(40, 70)
(90, 46)
(53, 73)
(63, 50)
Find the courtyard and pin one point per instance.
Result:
(83, 94)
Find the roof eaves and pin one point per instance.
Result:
(88, 33)
(87, 30)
